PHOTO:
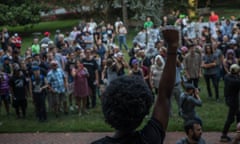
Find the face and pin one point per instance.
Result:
(36, 72)
(196, 133)
(208, 49)
(79, 64)
(87, 53)
(159, 62)
(54, 66)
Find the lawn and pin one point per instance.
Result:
(212, 113)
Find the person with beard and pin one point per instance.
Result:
(193, 130)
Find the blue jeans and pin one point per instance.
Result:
(122, 41)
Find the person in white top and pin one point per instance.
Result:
(92, 24)
(117, 23)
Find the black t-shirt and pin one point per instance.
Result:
(152, 133)
(18, 85)
(91, 66)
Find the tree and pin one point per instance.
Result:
(21, 12)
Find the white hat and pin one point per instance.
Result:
(234, 68)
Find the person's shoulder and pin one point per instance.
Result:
(182, 141)
(202, 141)
(104, 140)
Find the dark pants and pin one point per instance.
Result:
(20, 104)
(194, 81)
(214, 82)
(93, 96)
(39, 99)
(232, 112)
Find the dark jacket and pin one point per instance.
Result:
(231, 89)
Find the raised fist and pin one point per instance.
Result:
(171, 36)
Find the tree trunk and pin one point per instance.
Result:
(125, 12)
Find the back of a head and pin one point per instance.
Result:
(125, 102)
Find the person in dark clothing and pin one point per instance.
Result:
(18, 85)
(37, 85)
(128, 99)
(231, 93)
(93, 80)
(188, 101)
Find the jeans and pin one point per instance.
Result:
(122, 41)
(214, 79)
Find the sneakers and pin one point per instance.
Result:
(225, 138)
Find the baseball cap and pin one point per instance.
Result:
(234, 68)
(46, 33)
(35, 68)
(189, 86)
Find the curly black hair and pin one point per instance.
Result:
(125, 102)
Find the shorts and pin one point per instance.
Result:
(5, 98)
(58, 98)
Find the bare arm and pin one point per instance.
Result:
(162, 106)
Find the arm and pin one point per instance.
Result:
(162, 105)
(97, 77)
(150, 78)
(225, 66)
(30, 88)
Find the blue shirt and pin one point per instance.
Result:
(56, 80)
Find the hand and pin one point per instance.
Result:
(171, 36)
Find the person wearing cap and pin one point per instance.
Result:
(38, 84)
(17, 41)
(56, 36)
(57, 85)
(231, 94)
(46, 38)
(188, 101)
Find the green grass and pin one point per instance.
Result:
(212, 113)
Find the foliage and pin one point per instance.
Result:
(21, 12)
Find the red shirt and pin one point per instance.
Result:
(213, 18)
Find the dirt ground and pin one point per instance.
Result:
(87, 138)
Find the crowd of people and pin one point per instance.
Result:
(70, 71)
